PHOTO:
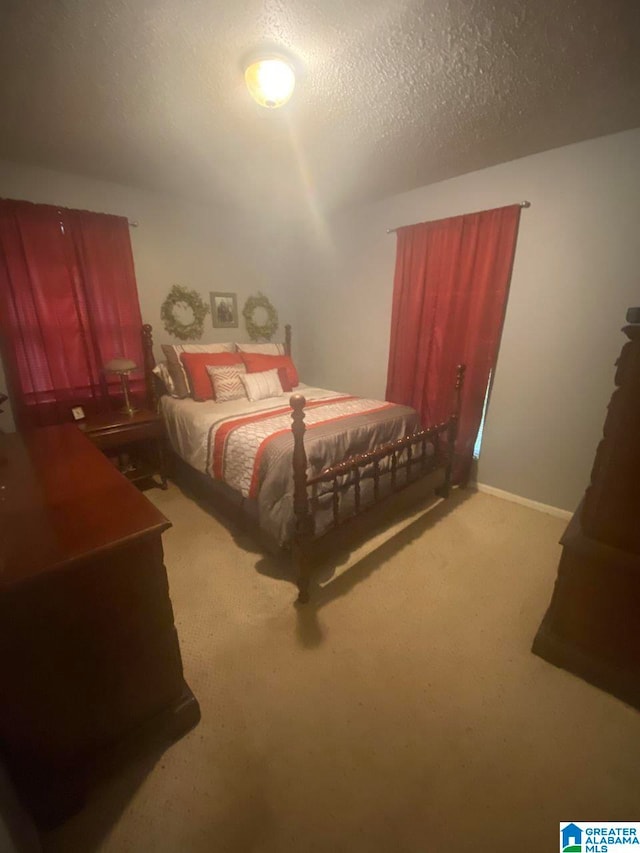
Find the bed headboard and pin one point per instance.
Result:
(154, 387)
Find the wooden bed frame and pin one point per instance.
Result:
(415, 466)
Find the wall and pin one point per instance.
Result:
(576, 271)
(176, 241)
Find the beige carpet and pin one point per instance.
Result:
(401, 712)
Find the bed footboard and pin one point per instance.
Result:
(370, 480)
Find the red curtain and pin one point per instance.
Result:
(68, 304)
(450, 293)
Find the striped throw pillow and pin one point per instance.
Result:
(261, 386)
(226, 382)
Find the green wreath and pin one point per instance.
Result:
(192, 299)
(267, 330)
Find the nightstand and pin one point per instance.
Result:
(137, 440)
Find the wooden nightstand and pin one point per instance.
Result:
(139, 438)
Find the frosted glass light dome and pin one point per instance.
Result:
(270, 82)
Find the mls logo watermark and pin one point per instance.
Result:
(599, 837)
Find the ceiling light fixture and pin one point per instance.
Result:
(270, 81)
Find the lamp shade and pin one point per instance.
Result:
(120, 365)
(270, 81)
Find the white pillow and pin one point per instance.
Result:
(261, 386)
(226, 382)
(162, 372)
(265, 349)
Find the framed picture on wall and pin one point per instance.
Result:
(224, 310)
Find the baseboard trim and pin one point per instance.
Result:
(517, 499)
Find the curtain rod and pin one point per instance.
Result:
(393, 230)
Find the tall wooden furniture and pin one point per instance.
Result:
(611, 511)
(592, 627)
(89, 658)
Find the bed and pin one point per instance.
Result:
(310, 471)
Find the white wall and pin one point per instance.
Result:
(176, 242)
(576, 271)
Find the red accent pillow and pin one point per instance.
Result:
(283, 376)
(195, 365)
(257, 362)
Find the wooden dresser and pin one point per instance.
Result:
(90, 665)
(591, 627)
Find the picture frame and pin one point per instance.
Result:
(224, 310)
(78, 413)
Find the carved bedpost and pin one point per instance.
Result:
(452, 435)
(287, 339)
(149, 364)
(461, 369)
(303, 519)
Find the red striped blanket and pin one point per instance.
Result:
(253, 453)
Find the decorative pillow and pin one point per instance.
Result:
(265, 349)
(195, 365)
(162, 372)
(172, 354)
(283, 376)
(261, 386)
(258, 363)
(226, 382)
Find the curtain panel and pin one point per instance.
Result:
(450, 292)
(68, 304)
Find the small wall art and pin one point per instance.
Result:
(224, 310)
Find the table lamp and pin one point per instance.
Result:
(123, 367)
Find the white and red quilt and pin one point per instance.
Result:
(249, 445)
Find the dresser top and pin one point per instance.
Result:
(62, 501)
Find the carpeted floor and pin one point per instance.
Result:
(403, 711)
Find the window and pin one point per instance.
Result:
(479, 437)
(68, 304)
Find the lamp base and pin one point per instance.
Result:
(127, 409)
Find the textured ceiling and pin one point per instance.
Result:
(391, 95)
